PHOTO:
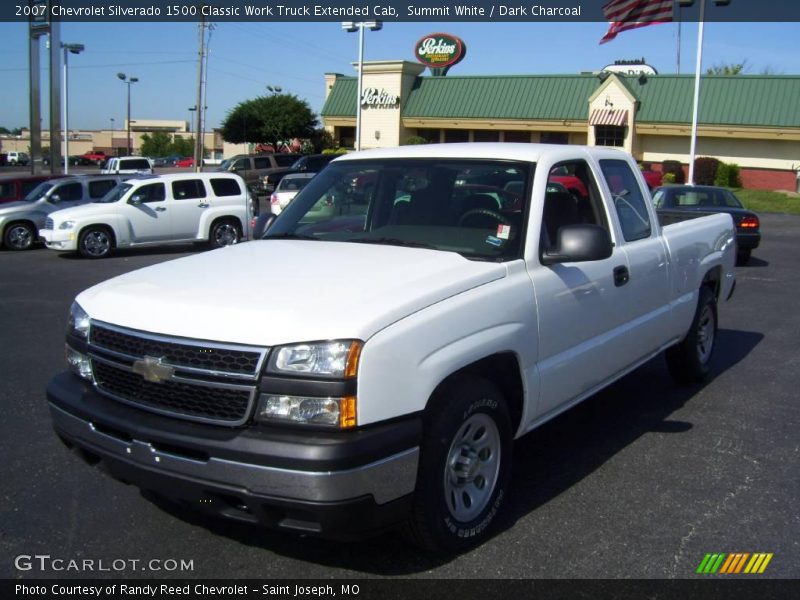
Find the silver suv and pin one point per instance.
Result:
(20, 221)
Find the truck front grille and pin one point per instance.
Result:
(48, 224)
(189, 379)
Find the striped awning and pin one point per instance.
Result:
(608, 117)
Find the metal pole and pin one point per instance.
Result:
(198, 144)
(66, 114)
(360, 83)
(696, 106)
(35, 105)
(128, 141)
(55, 97)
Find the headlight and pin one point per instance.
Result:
(330, 412)
(78, 323)
(67, 225)
(335, 360)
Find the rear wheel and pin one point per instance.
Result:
(19, 236)
(464, 468)
(225, 233)
(95, 242)
(689, 360)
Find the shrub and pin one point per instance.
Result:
(415, 140)
(674, 167)
(723, 175)
(734, 176)
(668, 178)
(705, 170)
(335, 151)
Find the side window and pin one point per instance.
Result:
(242, 164)
(98, 189)
(28, 186)
(285, 160)
(69, 192)
(225, 187)
(152, 192)
(628, 199)
(188, 189)
(571, 198)
(261, 163)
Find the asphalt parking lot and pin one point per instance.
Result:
(640, 481)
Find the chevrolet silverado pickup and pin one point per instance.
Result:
(412, 332)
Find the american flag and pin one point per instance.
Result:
(630, 14)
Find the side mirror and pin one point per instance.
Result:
(579, 243)
(136, 199)
(262, 223)
(55, 198)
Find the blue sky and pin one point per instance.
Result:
(247, 56)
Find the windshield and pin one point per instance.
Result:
(38, 192)
(473, 207)
(225, 164)
(114, 194)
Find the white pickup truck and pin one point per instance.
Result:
(407, 316)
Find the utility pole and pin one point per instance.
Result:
(198, 142)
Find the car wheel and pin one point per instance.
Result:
(19, 236)
(225, 233)
(465, 464)
(689, 360)
(743, 256)
(95, 242)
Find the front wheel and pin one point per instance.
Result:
(225, 233)
(95, 242)
(464, 469)
(689, 361)
(19, 236)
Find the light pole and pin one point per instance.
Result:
(352, 27)
(128, 81)
(74, 49)
(112, 134)
(274, 89)
(191, 110)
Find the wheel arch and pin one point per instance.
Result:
(713, 280)
(99, 225)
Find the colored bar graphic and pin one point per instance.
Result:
(728, 564)
(703, 563)
(732, 558)
(718, 563)
(766, 562)
(741, 562)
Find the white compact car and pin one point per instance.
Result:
(286, 190)
(155, 210)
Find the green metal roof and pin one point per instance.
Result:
(744, 100)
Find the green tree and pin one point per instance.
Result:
(182, 146)
(5, 130)
(159, 143)
(731, 69)
(269, 120)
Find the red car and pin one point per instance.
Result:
(185, 162)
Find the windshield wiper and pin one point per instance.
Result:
(290, 236)
(392, 242)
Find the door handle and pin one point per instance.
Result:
(203, 205)
(621, 276)
(160, 209)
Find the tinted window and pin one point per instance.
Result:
(152, 192)
(98, 189)
(7, 190)
(261, 163)
(188, 189)
(628, 200)
(137, 163)
(68, 192)
(285, 160)
(27, 186)
(225, 187)
(242, 164)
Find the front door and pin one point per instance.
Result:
(147, 212)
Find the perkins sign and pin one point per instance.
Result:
(439, 50)
(378, 98)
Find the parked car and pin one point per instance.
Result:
(94, 157)
(74, 161)
(20, 221)
(13, 189)
(408, 350)
(127, 165)
(287, 189)
(17, 158)
(187, 161)
(679, 202)
(166, 161)
(253, 167)
(309, 163)
(149, 211)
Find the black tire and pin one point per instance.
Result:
(95, 241)
(19, 236)
(689, 360)
(225, 232)
(743, 256)
(464, 467)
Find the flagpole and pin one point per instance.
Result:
(696, 105)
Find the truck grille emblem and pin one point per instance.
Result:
(153, 370)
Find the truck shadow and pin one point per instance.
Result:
(548, 461)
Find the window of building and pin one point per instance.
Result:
(483, 135)
(346, 136)
(188, 189)
(454, 136)
(430, 135)
(520, 137)
(554, 137)
(609, 135)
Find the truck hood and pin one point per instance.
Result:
(18, 206)
(82, 211)
(271, 292)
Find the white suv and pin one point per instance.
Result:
(146, 211)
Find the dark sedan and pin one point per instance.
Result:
(679, 202)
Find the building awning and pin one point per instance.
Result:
(609, 117)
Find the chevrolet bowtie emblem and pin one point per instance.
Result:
(153, 370)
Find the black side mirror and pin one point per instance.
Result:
(579, 243)
(263, 222)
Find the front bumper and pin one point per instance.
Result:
(59, 240)
(333, 484)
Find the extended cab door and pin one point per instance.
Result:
(146, 211)
(582, 306)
